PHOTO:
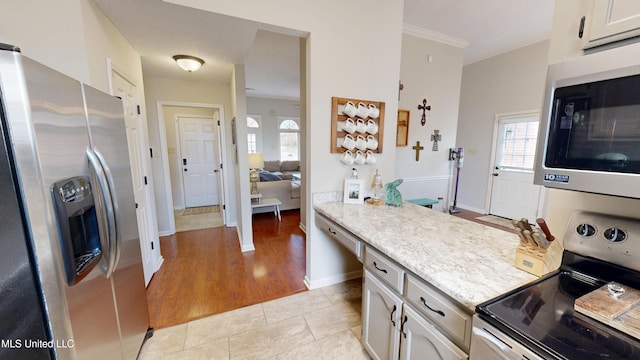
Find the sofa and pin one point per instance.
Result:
(281, 180)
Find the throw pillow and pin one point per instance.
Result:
(267, 176)
(272, 165)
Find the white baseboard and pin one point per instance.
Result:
(246, 248)
(159, 264)
(471, 208)
(165, 233)
(302, 227)
(331, 280)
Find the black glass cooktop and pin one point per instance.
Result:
(542, 316)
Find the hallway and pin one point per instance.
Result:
(204, 272)
(198, 218)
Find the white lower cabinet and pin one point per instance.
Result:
(381, 310)
(393, 330)
(421, 340)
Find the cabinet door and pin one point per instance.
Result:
(421, 340)
(613, 20)
(381, 310)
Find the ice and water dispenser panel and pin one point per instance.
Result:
(77, 225)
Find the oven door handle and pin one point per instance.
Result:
(493, 343)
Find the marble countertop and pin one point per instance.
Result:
(470, 262)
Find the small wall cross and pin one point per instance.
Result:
(418, 148)
(435, 137)
(424, 108)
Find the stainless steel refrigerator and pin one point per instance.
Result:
(69, 247)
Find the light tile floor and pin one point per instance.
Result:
(196, 220)
(317, 324)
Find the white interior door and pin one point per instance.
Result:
(513, 194)
(199, 154)
(136, 138)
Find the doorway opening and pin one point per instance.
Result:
(511, 193)
(192, 137)
(199, 157)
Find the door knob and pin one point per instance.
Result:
(494, 174)
(186, 169)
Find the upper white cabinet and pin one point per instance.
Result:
(612, 20)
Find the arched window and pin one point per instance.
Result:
(254, 133)
(289, 138)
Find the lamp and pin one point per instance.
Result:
(255, 162)
(376, 186)
(188, 63)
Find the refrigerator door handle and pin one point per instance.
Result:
(115, 255)
(105, 211)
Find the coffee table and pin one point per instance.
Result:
(269, 202)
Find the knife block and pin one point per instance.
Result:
(538, 261)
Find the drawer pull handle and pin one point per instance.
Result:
(393, 312)
(331, 231)
(430, 308)
(379, 269)
(402, 327)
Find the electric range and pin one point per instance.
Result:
(598, 249)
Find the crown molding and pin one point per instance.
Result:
(433, 35)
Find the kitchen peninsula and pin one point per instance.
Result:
(419, 259)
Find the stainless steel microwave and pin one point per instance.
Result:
(589, 137)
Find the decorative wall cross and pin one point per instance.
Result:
(435, 137)
(424, 108)
(418, 148)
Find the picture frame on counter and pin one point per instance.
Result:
(353, 191)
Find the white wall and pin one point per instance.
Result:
(333, 69)
(510, 82)
(439, 82)
(241, 159)
(72, 37)
(270, 110)
(49, 32)
(178, 91)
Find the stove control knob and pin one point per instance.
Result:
(615, 235)
(586, 230)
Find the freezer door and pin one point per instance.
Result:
(47, 122)
(21, 308)
(109, 141)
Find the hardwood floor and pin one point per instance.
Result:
(472, 216)
(204, 272)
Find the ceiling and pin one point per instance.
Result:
(483, 27)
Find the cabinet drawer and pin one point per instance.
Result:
(384, 268)
(341, 235)
(441, 310)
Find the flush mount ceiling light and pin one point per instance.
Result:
(188, 63)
